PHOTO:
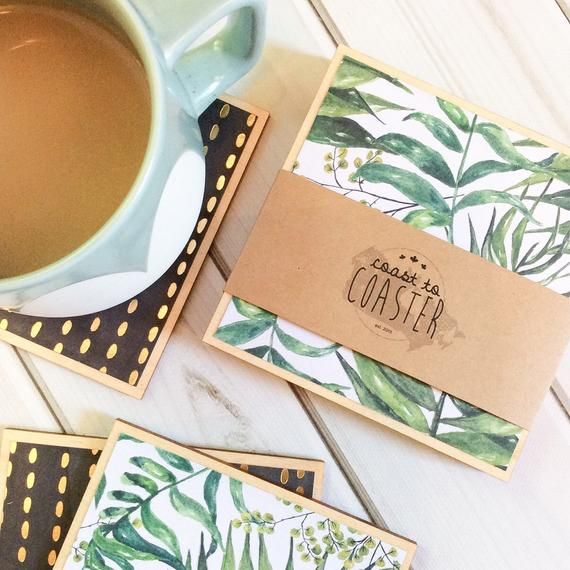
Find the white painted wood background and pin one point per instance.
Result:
(511, 56)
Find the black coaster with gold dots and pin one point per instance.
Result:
(120, 347)
(43, 478)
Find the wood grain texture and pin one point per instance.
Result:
(510, 57)
(21, 404)
(461, 518)
(202, 396)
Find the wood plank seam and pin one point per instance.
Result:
(42, 389)
(565, 8)
(328, 22)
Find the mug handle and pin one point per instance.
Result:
(210, 68)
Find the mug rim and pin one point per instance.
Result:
(139, 35)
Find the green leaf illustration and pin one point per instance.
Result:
(560, 167)
(113, 512)
(375, 380)
(340, 132)
(191, 508)
(291, 559)
(499, 141)
(482, 197)
(516, 241)
(236, 491)
(298, 347)
(176, 461)
(100, 490)
(277, 359)
(160, 530)
(142, 481)
(443, 133)
(561, 250)
(259, 351)
(365, 396)
(422, 219)
(473, 245)
(465, 408)
(188, 565)
(229, 561)
(484, 423)
(486, 250)
(245, 562)
(409, 184)
(425, 158)
(125, 497)
(547, 247)
(485, 168)
(352, 73)
(126, 534)
(563, 229)
(121, 562)
(110, 547)
(251, 311)
(202, 560)
(560, 199)
(417, 391)
(154, 469)
(455, 114)
(529, 142)
(263, 559)
(480, 446)
(537, 178)
(344, 102)
(211, 486)
(94, 560)
(243, 331)
(499, 236)
(127, 437)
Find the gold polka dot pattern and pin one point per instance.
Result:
(41, 496)
(36, 536)
(117, 344)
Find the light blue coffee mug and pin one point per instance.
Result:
(186, 73)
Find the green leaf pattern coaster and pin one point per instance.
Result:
(155, 509)
(445, 170)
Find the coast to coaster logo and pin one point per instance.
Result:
(400, 295)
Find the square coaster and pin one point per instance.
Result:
(379, 137)
(44, 477)
(121, 347)
(154, 504)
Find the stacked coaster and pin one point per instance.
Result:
(138, 501)
(121, 347)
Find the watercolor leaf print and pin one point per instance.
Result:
(352, 73)
(445, 170)
(154, 491)
(378, 387)
(438, 129)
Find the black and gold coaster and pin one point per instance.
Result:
(121, 347)
(44, 476)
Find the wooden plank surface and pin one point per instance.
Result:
(510, 56)
(21, 403)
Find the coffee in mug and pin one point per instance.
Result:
(74, 128)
